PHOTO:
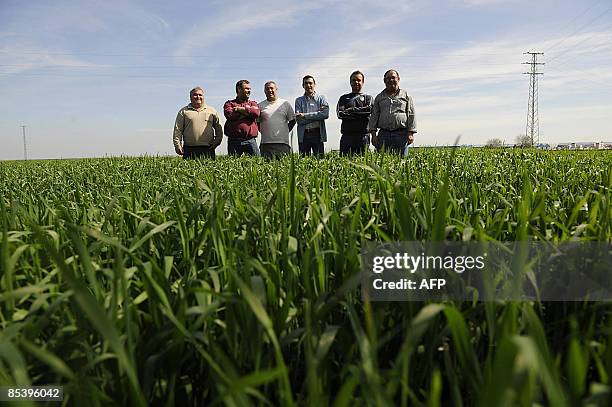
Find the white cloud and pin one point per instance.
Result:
(237, 19)
(482, 3)
(13, 60)
(101, 17)
(380, 14)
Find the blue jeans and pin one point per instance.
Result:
(238, 147)
(394, 141)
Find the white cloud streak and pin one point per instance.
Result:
(241, 18)
(14, 61)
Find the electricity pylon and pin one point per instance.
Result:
(533, 121)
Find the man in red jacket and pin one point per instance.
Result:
(241, 126)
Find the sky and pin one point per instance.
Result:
(106, 78)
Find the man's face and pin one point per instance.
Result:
(309, 86)
(245, 92)
(392, 81)
(357, 83)
(197, 98)
(270, 91)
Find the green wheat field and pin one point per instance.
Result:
(156, 281)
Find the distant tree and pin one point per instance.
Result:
(523, 140)
(494, 142)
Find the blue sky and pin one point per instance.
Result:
(96, 78)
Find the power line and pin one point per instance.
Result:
(579, 29)
(533, 121)
(576, 44)
(600, 82)
(118, 75)
(575, 19)
(225, 67)
(242, 57)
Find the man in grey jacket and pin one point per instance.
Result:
(393, 113)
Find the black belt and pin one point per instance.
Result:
(186, 146)
(240, 138)
(391, 131)
(312, 131)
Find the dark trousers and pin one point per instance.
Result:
(239, 147)
(312, 143)
(274, 150)
(351, 144)
(394, 141)
(193, 152)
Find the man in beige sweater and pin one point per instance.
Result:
(197, 129)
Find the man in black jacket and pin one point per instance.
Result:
(354, 110)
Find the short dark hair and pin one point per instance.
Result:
(308, 77)
(357, 73)
(389, 71)
(241, 83)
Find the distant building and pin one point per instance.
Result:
(562, 146)
(585, 145)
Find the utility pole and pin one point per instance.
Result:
(533, 121)
(25, 149)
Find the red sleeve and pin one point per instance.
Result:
(228, 109)
(254, 109)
